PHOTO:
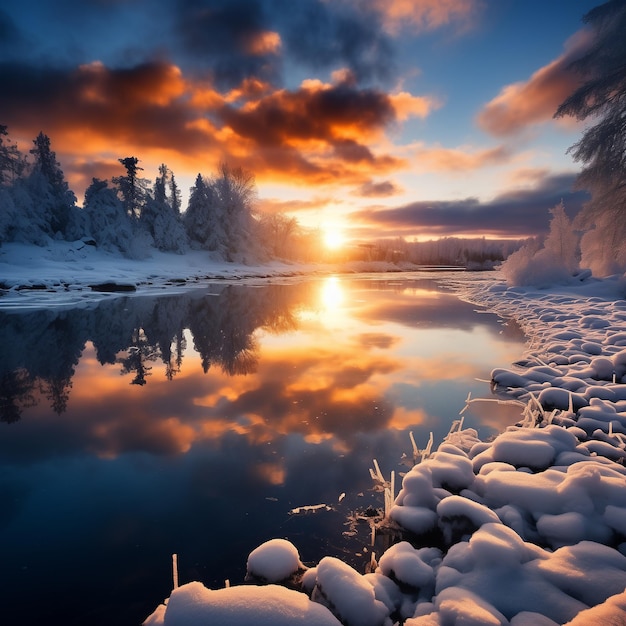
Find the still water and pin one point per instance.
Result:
(196, 423)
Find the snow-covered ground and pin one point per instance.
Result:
(68, 273)
(527, 529)
(65, 274)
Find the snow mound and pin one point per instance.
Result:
(274, 561)
(193, 604)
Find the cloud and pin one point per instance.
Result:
(407, 105)
(426, 14)
(231, 41)
(318, 133)
(438, 159)
(323, 35)
(228, 42)
(370, 189)
(536, 100)
(521, 212)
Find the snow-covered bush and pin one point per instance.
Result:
(554, 263)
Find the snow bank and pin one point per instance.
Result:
(529, 528)
(67, 273)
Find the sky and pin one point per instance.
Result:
(375, 118)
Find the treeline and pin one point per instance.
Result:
(131, 215)
(478, 252)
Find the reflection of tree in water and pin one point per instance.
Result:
(16, 389)
(41, 349)
(163, 328)
(223, 328)
(57, 390)
(40, 352)
(139, 354)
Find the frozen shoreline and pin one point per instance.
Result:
(530, 528)
(66, 274)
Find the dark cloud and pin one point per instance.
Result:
(323, 35)
(370, 189)
(313, 113)
(230, 42)
(224, 40)
(139, 105)
(521, 212)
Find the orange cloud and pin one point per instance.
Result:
(407, 105)
(536, 100)
(458, 159)
(318, 133)
(263, 43)
(426, 14)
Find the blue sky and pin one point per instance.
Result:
(413, 118)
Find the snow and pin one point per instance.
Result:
(274, 561)
(529, 528)
(270, 605)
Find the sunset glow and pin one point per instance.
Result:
(334, 239)
(435, 119)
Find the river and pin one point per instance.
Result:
(206, 422)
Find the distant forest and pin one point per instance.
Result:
(131, 215)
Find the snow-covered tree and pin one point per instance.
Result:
(277, 235)
(108, 220)
(161, 219)
(175, 196)
(51, 194)
(199, 218)
(236, 192)
(219, 216)
(562, 241)
(132, 189)
(12, 162)
(601, 98)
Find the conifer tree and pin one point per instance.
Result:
(601, 98)
(51, 194)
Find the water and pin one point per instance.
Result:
(195, 423)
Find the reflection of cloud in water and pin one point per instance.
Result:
(377, 340)
(317, 385)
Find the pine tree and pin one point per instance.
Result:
(50, 191)
(12, 163)
(602, 148)
(562, 240)
(131, 188)
(161, 220)
(197, 218)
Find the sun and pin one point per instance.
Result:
(333, 239)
